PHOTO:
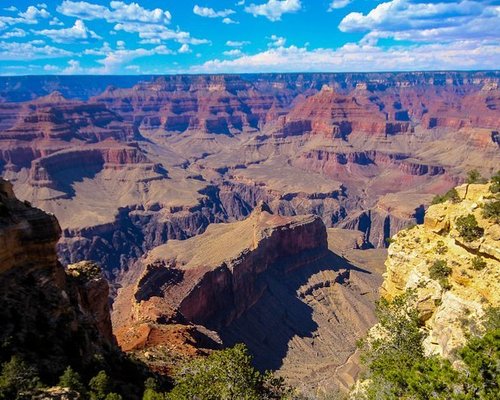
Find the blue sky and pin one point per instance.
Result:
(216, 36)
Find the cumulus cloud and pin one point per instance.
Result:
(155, 34)
(337, 4)
(208, 12)
(274, 9)
(362, 57)
(77, 33)
(118, 12)
(16, 32)
(185, 49)
(233, 53)
(30, 51)
(32, 13)
(31, 16)
(228, 21)
(236, 43)
(149, 25)
(277, 41)
(424, 21)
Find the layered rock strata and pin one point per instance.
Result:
(451, 306)
(52, 318)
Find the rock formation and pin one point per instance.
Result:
(268, 281)
(452, 304)
(51, 317)
(143, 162)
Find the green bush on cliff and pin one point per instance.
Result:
(226, 375)
(72, 380)
(473, 176)
(495, 183)
(468, 227)
(399, 343)
(491, 210)
(17, 376)
(398, 368)
(450, 195)
(478, 263)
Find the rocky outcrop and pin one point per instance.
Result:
(216, 290)
(135, 166)
(452, 303)
(51, 317)
(333, 115)
(269, 281)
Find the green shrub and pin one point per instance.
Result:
(226, 374)
(99, 386)
(478, 263)
(395, 374)
(17, 376)
(491, 210)
(441, 248)
(495, 183)
(473, 176)
(439, 270)
(468, 228)
(450, 195)
(72, 380)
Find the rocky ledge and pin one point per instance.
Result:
(214, 278)
(455, 273)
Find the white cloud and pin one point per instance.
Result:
(11, 9)
(29, 51)
(118, 12)
(236, 43)
(274, 9)
(208, 12)
(134, 68)
(114, 60)
(120, 44)
(77, 33)
(362, 57)
(55, 22)
(277, 41)
(424, 21)
(337, 4)
(16, 32)
(50, 68)
(150, 25)
(185, 49)
(228, 21)
(32, 14)
(73, 68)
(155, 34)
(233, 53)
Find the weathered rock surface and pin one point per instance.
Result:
(52, 318)
(451, 310)
(142, 163)
(269, 281)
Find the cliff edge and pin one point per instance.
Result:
(452, 262)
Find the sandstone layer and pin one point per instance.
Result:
(450, 308)
(129, 167)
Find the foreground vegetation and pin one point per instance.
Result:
(398, 369)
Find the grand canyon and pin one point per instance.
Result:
(225, 209)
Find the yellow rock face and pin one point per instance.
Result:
(452, 306)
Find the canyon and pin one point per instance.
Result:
(254, 208)
(170, 155)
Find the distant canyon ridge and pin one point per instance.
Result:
(128, 163)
